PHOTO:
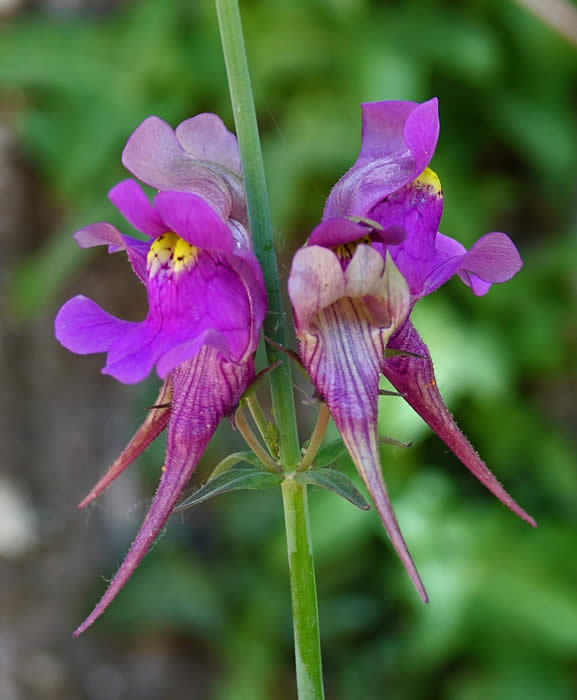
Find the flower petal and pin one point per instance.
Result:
(316, 280)
(84, 328)
(342, 355)
(154, 155)
(413, 213)
(398, 142)
(334, 231)
(493, 258)
(155, 422)
(106, 234)
(414, 378)
(206, 301)
(128, 197)
(206, 137)
(191, 218)
(400, 131)
(213, 387)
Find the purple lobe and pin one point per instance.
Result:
(84, 328)
(334, 231)
(191, 218)
(128, 197)
(493, 258)
(398, 142)
(106, 234)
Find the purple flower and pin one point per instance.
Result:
(206, 304)
(352, 287)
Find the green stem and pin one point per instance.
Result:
(260, 224)
(316, 438)
(303, 591)
(302, 576)
(252, 441)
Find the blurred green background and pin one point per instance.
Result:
(502, 623)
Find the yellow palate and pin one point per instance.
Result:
(428, 178)
(345, 251)
(171, 251)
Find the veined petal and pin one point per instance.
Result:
(192, 219)
(398, 142)
(206, 137)
(341, 352)
(130, 200)
(205, 389)
(156, 421)
(317, 280)
(414, 378)
(106, 234)
(84, 328)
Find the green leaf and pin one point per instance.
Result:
(236, 479)
(335, 481)
(329, 453)
(233, 459)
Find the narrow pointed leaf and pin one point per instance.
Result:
(329, 453)
(233, 459)
(237, 479)
(334, 481)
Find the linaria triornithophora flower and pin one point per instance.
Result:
(206, 304)
(375, 254)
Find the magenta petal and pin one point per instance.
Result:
(106, 234)
(414, 378)
(191, 218)
(156, 421)
(128, 197)
(206, 138)
(213, 387)
(83, 327)
(185, 351)
(397, 131)
(493, 258)
(334, 231)
(398, 142)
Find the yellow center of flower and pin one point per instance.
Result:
(171, 252)
(428, 178)
(345, 251)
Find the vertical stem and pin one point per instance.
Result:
(260, 223)
(303, 591)
(302, 576)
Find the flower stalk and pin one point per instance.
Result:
(302, 577)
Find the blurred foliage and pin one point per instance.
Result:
(502, 623)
